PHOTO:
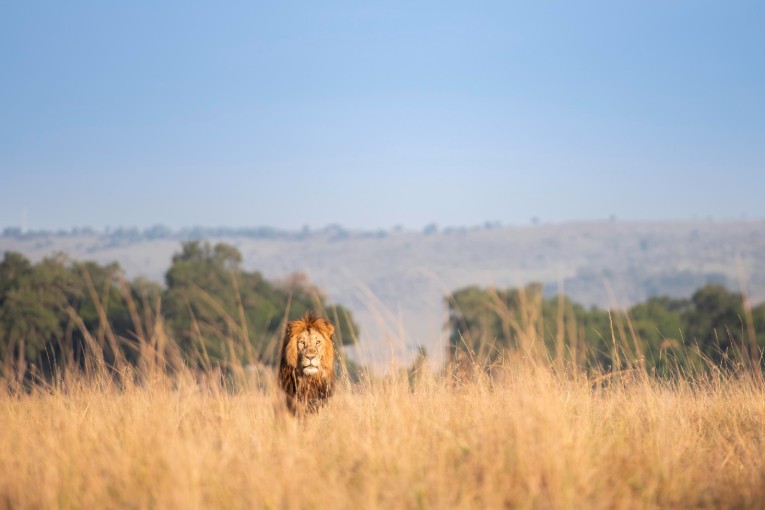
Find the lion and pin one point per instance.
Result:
(307, 367)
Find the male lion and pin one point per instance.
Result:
(307, 368)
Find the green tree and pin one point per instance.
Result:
(659, 326)
(33, 306)
(225, 313)
(716, 323)
(487, 322)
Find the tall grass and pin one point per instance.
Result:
(536, 433)
(528, 438)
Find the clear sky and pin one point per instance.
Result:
(377, 114)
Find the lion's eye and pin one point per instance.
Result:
(318, 343)
(301, 344)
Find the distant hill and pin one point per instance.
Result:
(395, 281)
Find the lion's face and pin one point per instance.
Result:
(311, 350)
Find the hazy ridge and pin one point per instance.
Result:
(395, 281)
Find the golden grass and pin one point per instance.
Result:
(529, 438)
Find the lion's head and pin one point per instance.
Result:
(307, 367)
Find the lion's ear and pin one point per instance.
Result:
(326, 326)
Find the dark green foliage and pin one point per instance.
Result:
(660, 326)
(715, 321)
(661, 334)
(33, 304)
(487, 322)
(57, 312)
(210, 300)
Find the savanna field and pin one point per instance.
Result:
(115, 395)
(529, 437)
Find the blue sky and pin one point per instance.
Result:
(377, 114)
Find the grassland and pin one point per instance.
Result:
(535, 431)
(530, 437)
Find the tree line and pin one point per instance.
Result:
(119, 236)
(212, 313)
(714, 327)
(209, 313)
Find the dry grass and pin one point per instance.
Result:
(540, 433)
(527, 439)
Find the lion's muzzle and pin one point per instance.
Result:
(310, 364)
